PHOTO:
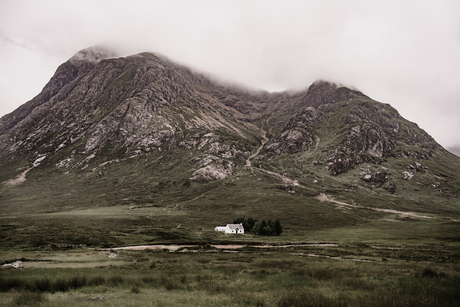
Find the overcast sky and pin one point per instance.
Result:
(405, 53)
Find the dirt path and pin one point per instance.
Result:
(324, 197)
(286, 180)
(331, 257)
(152, 247)
(265, 140)
(20, 178)
(175, 247)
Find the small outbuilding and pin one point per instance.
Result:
(231, 228)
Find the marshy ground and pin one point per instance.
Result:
(308, 274)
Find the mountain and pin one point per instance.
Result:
(144, 131)
(125, 107)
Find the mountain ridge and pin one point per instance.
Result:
(144, 131)
(153, 79)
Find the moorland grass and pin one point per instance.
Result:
(145, 200)
(247, 278)
(413, 261)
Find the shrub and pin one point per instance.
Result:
(26, 298)
(264, 228)
(96, 281)
(11, 283)
(135, 289)
(77, 282)
(115, 280)
(168, 283)
(43, 285)
(429, 273)
(61, 285)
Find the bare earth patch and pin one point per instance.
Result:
(324, 197)
(20, 178)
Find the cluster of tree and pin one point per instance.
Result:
(264, 228)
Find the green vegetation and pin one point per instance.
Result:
(346, 251)
(151, 200)
(412, 261)
(204, 276)
(263, 228)
(357, 231)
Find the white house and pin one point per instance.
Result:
(231, 228)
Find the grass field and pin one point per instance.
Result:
(204, 276)
(371, 257)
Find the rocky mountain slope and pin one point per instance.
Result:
(117, 108)
(144, 130)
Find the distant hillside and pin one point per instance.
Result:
(144, 131)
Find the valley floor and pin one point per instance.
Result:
(229, 274)
(156, 245)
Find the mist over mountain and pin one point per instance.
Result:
(455, 150)
(108, 131)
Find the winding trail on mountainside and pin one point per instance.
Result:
(265, 140)
(323, 197)
(286, 180)
(20, 178)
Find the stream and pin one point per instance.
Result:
(175, 247)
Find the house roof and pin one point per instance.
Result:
(235, 226)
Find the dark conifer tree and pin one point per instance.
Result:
(264, 228)
(278, 229)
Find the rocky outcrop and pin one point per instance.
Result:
(407, 175)
(101, 108)
(77, 66)
(322, 93)
(378, 178)
(211, 168)
(212, 172)
(349, 129)
(97, 107)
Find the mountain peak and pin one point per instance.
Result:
(146, 105)
(93, 55)
(325, 92)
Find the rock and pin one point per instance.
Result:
(407, 175)
(204, 160)
(364, 132)
(418, 167)
(96, 298)
(379, 177)
(212, 172)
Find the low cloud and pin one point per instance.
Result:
(400, 52)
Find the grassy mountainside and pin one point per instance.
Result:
(120, 152)
(159, 153)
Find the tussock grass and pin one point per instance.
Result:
(270, 279)
(27, 298)
(414, 261)
(145, 200)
